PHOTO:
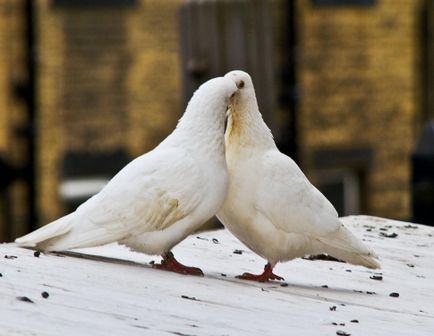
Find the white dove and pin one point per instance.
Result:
(161, 197)
(271, 206)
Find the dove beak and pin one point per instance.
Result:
(228, 114)
(229, 107)
(228, 111)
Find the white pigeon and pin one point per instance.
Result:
(161, 197)
(271, 206)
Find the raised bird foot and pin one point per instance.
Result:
(169, 263)
(264, 277)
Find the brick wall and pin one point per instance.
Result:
(358, 78)
(13, 113)
(108, 79)
(429, 61)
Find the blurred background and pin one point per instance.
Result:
(347, 87)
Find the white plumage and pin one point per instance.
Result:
(271, 206)
(161, 197)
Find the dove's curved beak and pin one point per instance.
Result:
(228, 111)
(227, 116)
(230, 105)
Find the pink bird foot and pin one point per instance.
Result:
(264, 277)
(169, 263)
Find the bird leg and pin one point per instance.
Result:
(264, 277)
(169, 263)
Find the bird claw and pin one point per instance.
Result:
(259, 277)
(264, 277)
(179, 269)
(169, 263)
(276, 277)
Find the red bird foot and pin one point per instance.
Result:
(264, 277)
(169, 263)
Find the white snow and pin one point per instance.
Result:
(116, 292)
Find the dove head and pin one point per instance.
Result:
(245, 123)
(204, 118)
(244, 100)
(217, 92)
(209, 103)
(242, 80)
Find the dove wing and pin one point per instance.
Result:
(148, 194)
(290, 201)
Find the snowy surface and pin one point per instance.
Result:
(116, 292)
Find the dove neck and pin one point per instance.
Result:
(246, 127)
(201, 129)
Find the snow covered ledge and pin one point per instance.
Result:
(116, 292)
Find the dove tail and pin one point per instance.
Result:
(343, 245)
(42, 238)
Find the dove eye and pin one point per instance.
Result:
(240, 84)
